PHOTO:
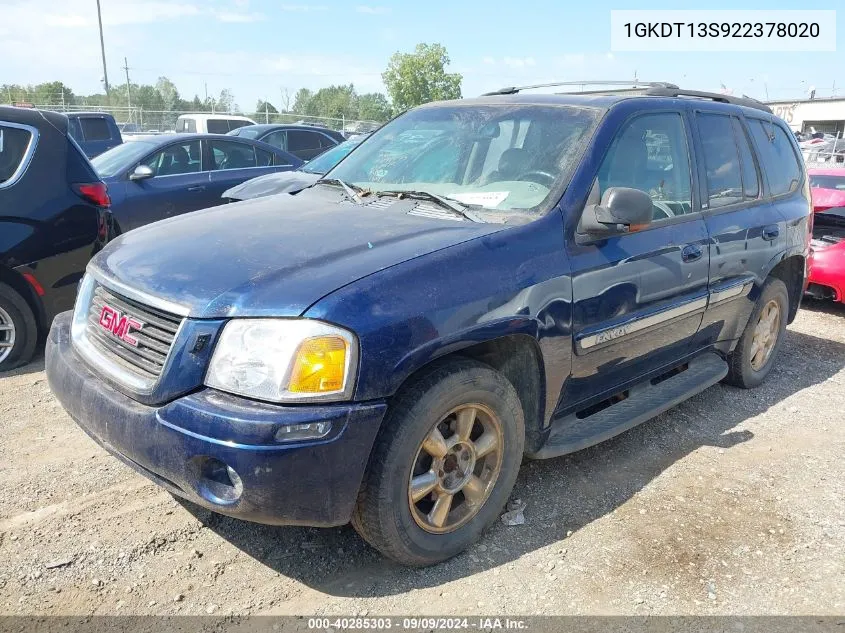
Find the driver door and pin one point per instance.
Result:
(639, 297)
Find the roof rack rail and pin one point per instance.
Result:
(512, 90)
(748, 102)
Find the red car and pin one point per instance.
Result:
(827, 271)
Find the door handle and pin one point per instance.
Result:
(691, 253)
(770, 232)
(197, 188)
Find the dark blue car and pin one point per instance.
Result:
(158, 177)
(480, 281)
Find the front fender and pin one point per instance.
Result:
(514, 282)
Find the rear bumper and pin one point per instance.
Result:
(828, 270)
(186, 445)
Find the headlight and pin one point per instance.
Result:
(284, 360)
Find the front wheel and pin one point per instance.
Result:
(443, 465)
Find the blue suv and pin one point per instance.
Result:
(480, 281)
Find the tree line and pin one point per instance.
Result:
(410, 79)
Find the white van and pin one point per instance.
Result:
(211, 123)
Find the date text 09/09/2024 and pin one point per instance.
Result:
(418, 623)
(722, 29)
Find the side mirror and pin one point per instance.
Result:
(142, 172)
(621, 210)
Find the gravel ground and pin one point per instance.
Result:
(732, 503)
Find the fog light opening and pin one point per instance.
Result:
(218, 482)
(299, 432)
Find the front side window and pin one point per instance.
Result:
(231, 155)
(506, 157)
(179, 158)
(721, 160)
(777, 156)
(14, 148)
(651, 154)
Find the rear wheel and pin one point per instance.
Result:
(754, 356)
(18, 330)
(443, 465)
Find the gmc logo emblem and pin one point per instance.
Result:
(119, 324)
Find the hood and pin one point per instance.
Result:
(271, 184)
(273, 256)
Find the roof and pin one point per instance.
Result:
(204, 116)
(600, 101)
(284, 126)
(158, 140)
(33, 117)
(91, 113)
(815, 171)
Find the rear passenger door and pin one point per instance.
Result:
(745, 229)
(639, 296)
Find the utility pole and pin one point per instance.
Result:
(103, 50)
(128, 90)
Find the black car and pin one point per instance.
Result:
(303, 141)
(94, 132)
(54, 215)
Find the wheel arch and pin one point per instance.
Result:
(516, 354)
(791, 270)
(19, 284)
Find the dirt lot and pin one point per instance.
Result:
(731, 503)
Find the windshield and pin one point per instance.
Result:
(121, 158)
(827, 182)
(331, 157)
(506, 157)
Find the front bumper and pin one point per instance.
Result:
(186, 445)
(828, 270)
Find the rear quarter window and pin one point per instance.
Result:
(16, 145)
(777, 156)
(95, 129)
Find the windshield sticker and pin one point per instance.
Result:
(490, 199)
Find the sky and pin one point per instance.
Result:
(264, 49)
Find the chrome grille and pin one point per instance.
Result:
(155, 338)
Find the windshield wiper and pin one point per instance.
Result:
(448, 203)
(350, 190)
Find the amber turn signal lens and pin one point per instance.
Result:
(319, 365)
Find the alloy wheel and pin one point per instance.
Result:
(7, 335)
(765, 335)
(456, 468)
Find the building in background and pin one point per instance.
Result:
(823, 114)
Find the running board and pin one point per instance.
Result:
(643, 402)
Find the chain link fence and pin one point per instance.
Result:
(141, 121)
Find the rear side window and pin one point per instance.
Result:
(95, 129)
(217, 126)
(15, 145)
(777, 157)
(750, 179)
(299, 140)
(721, 160)
(263, 158)
(231, 155)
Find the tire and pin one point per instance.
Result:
(746, 370)
(18, 327)
(386, 516)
